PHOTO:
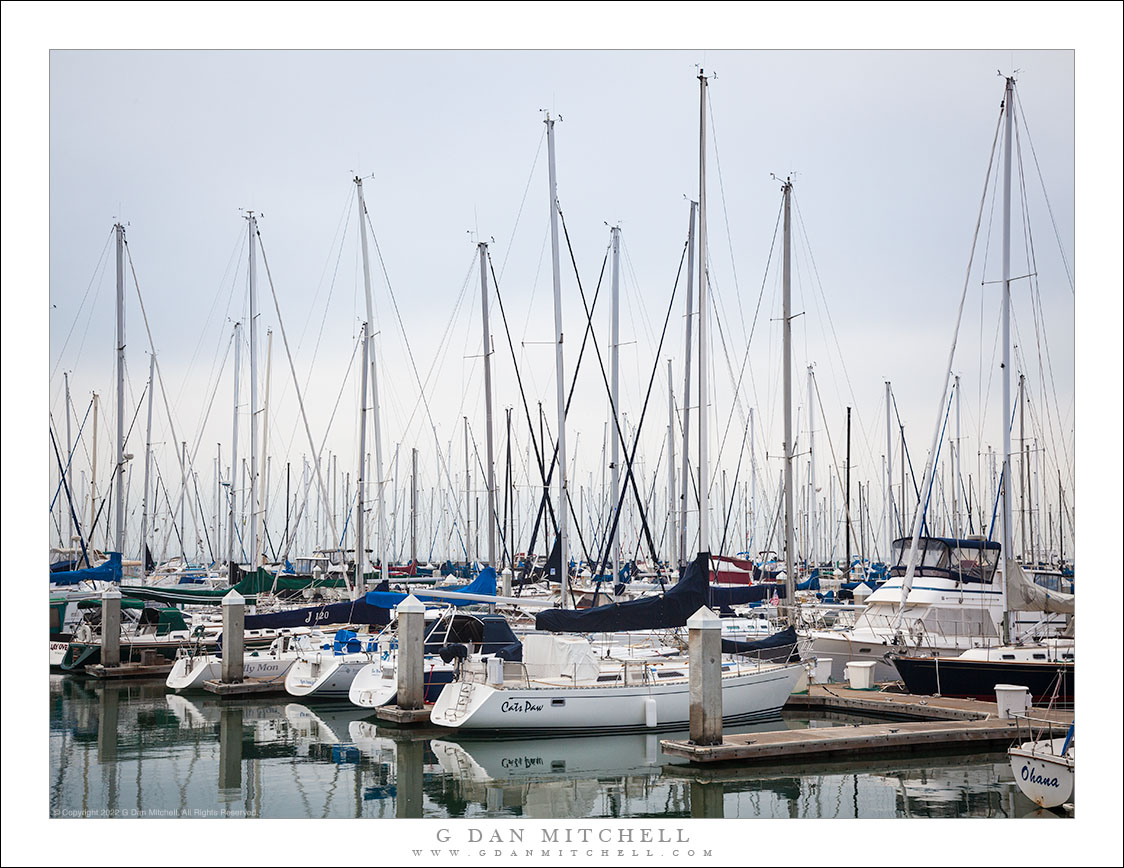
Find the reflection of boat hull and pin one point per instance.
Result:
(487, 760)
(564, 709)
(976, 679)
(1044, 777)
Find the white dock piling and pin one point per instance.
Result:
(233, 637)
(705, 674)
(411, 624)
(111, 627)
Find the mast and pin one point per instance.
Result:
(147, 460)
(259, 532)
(563, 503)
(888, 481)
(1023, 468)
(1009, 106)
(360, 520)
(234, 451)
(847, 501)
(615, 397)
(704, 394)
(119, 535)
(752, 535)
(252, 226)
(956, 492)
(490, 469)
(672, 535)
(70, 456)
(468, 550)
(383, 561)
(786, 281)
(414, 505)
(685, 471)
(94, 474)
(811, 470)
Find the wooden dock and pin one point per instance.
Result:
(246, 687)
(394, 714)
(918, 723)
(129, 670)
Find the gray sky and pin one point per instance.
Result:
(888, 151)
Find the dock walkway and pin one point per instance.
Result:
(927, 723)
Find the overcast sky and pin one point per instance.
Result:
(888, 151)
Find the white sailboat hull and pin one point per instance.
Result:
(324, 675)
(189, 673)
(567, 709)
(1046, 778)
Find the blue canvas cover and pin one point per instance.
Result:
(110, 571)
(485, 583)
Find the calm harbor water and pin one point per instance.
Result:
(135, 750)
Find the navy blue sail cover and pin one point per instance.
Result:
(670, 609)
(353, 612)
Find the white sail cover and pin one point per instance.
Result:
(1023, 595)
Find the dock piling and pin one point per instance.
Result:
(111, 627)
(233, 637)
(704, 649)
(411, 623)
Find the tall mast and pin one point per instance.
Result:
(383, 551)
(847, 503)
(360, 519)
(685, 471)
(252, 226)
(704, 394)
(69, 460)
(468, 549)
(259, 532)
(94, 473)
(490, 469)
(956, 492)
(563, 504)
(414, 505)
(1009, 106)
(119, 528)
(147, 460)
(751, 535)
(811, 469)
(234, 451)
(1023, 468)
(786, 283)
(672, 534)
(888, 493)
(615, 383)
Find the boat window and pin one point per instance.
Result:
(974, 564)
(670, 674)
(601, 678)
(557, 703)
(1008, 656)
(1039, 656)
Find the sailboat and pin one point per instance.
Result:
(962, 608)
